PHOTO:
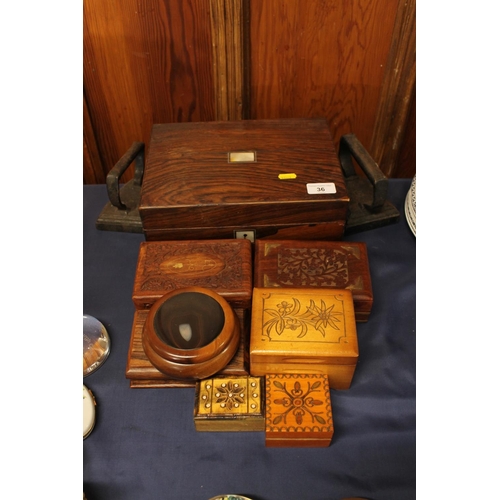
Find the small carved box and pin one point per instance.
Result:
(323, 264)
(298, 411)
(225, 266)
(227, 404)
(304, 330)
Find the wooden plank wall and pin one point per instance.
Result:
(200, 60)
(144, 63)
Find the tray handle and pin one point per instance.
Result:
(350, 146)
(135, 152)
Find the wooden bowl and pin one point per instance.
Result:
(191, 333)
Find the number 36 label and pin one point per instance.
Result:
(321, 188)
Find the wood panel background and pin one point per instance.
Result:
(166, 61)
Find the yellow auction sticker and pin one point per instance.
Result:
(287, 176)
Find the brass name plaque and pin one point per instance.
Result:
(242, 156)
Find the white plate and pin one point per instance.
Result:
(411, 206)
(88, 412)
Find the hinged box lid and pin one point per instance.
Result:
(229, 404)
(308, 330)
(322, 264)
(298, 411)
(299, 323)
(224, 266)
(247, 173)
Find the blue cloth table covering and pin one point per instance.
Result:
(145, 447)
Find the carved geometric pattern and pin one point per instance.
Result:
(298, 403)
(225, 395)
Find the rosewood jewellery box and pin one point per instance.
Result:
(322, 264)
(304, 331)
(249, 178)
(222, 266)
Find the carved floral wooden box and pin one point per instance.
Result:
(309, 264)
(298, 411)
(229, 404)
(210, 180)
(224, 266)
(304, 330)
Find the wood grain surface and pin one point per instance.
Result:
(203, 60)
(323, 58)
(144, 63)
(189, 182)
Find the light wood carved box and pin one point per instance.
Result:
(229, 404)
(304, 330)
(224, 266)
(310, 264)
(261, 178)
(298, 411)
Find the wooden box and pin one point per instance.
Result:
(310, 264)
(298, 411)
(142, 374)
(253, 178)
(304, 330)
(229, 404)
(224, 266)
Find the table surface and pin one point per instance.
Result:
(144, 445)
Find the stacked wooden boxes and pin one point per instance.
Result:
(298, 292)
(223, 266)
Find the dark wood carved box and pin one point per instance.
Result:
(224, 266)
(254, 178)
(298, 411)
(322, 264)
(304, 330)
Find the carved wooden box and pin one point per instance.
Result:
(229, 404)
(323, 264)
(142, 374)
(298, 411)
(304, 330)
(211, 180)
(224, 266)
